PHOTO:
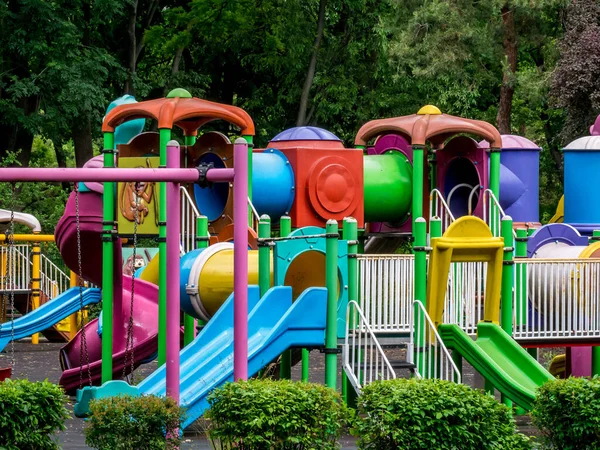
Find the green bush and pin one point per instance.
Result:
(433, 414)
(134, 423)
(30, 414)
(567, 412)
(275, 415)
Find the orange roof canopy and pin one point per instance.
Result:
(187, 113)
(428, 125)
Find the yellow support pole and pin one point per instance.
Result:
(36, 277)
(73, 317)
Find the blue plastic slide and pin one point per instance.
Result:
(274, 325)
(48, 314)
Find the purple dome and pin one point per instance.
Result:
(513, 142)
(305, 134)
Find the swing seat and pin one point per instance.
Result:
(108, 389)
(5, 373)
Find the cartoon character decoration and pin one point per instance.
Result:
(130, 267)
(136, 197)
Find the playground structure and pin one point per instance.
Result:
(473, 272)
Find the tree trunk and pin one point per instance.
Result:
(133, 48)
(310, 74)
(82, 140)
(507, 90)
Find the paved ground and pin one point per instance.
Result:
(41, 362)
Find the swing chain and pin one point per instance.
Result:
(129, 347)
(83, 349)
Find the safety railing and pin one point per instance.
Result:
(189, 214)
(427, 350)
(14, 267)
(439, 208)
(364, 359)
(493, 213)
(53, 280)
(556, 299)
(465, 295)
(386, 291)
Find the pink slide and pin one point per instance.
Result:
(145, 301)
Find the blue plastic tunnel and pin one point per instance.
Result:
(273, 186)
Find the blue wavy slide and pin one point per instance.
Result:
(274, 325)
(48, 314)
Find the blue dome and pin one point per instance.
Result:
(305, 134)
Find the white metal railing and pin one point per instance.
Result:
(439, 208)
(53, 280)
(556, 298)
(189, 214)
(427, 350)
(493, 213)
(364, 359)
(386, 291)
(465, 295)
(14, 267)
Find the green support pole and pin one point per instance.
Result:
(521, 273)
(420, 250)
(264, 255)
(108, 216)
(350, 234)
(435, 228)
(165, 136)
(506, 308)
(495, 172)
(331, 282)
(458, 361)
(285, 366)
(250, 141)
(202, 241)
(417, 186)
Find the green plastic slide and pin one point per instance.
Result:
(499, 359)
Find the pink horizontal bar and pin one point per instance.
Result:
(219, 175)
(100, 175)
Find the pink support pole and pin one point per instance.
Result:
(240, 262)
(99, 174)
(172, 313)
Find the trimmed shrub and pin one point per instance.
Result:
(134, 423)
(275, 415)
(30, 414)
(433, 414)
(567, 412)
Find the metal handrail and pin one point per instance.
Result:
(359, 347)
(439, 208)
(431, 364)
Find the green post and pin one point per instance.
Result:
(420, 234)
(435, 227)
(189, 140)
(350, 234)
(495, 172)
(264, 255)
(521, 273)
(595, 236)
(506, 229)
(417, 186)
(250, 141)
(285, 366)
(165, 137)
(202, 241)
(507, 276)
(331, 282)
(108, 213)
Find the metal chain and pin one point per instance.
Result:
(11, 254)
(83, 349)
(129, 340)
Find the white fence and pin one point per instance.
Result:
(386, 291)
(53, 280)
(364, 359)
(189, 214)
(427, 350)
(14, 267)
(556, 298)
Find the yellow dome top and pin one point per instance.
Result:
(429, 109)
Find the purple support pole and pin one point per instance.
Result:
(240, 262)
(172, 313)
(106, 174)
